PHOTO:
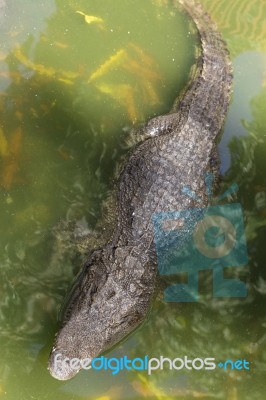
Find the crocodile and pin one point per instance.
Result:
(114, 291)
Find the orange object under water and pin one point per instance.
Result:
(10, 165)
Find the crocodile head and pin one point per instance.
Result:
(108, 300)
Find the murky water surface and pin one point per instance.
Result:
(75, 76)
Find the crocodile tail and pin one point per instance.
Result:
(207, 98)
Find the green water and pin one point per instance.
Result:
(69, 93)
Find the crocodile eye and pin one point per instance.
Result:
(111, 294)
(131, 320)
